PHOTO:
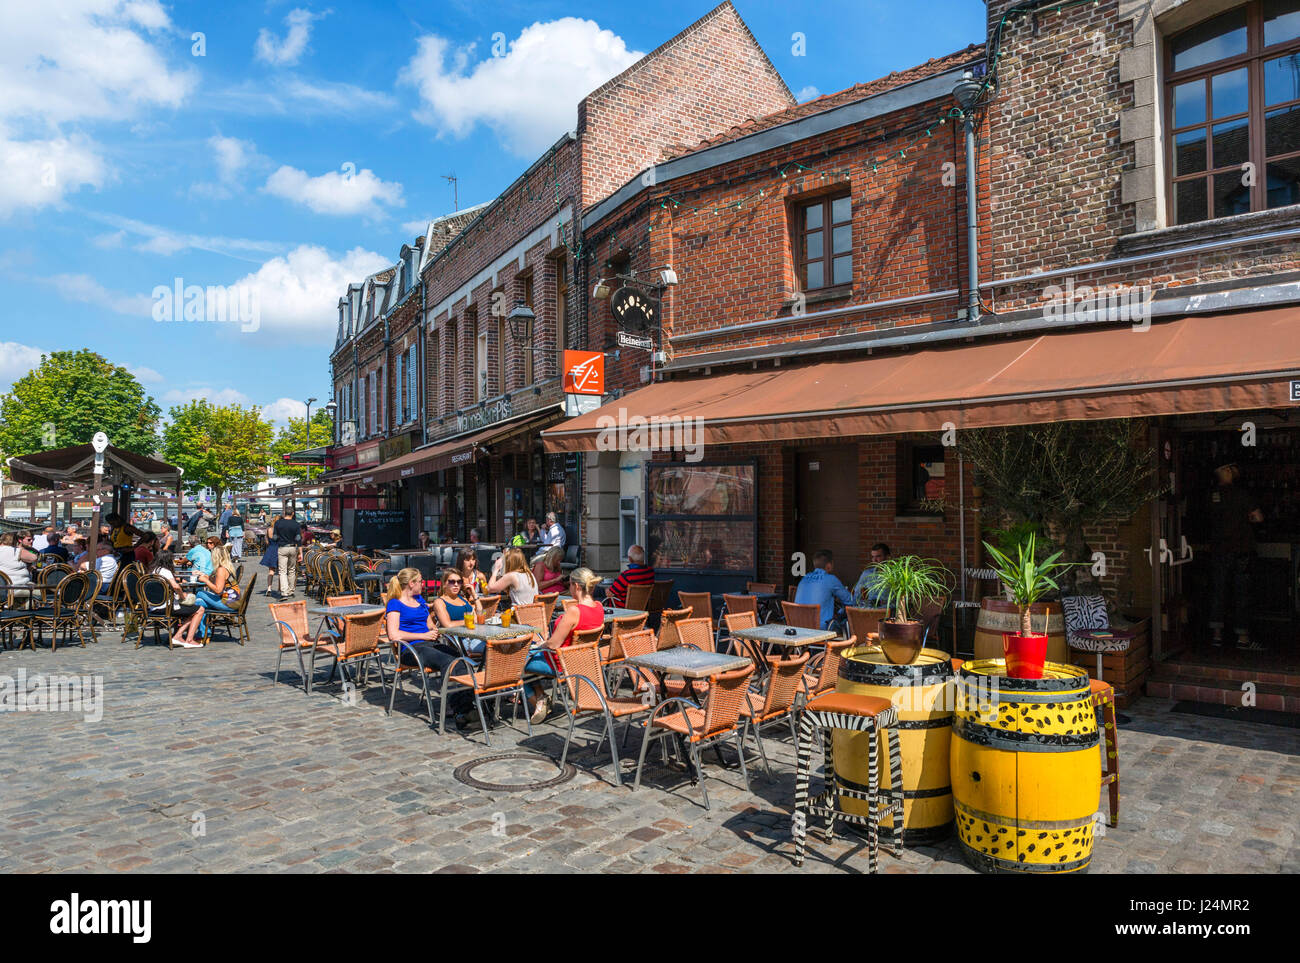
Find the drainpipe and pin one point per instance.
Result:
(966, 93)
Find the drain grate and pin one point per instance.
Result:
(514, 772)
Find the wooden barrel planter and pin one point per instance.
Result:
(1026, 776)
(997, 615)
(923, 693)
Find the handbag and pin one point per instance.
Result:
(189, 598)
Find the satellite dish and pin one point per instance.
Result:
(99, 442)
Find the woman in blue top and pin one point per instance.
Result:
(414, 624)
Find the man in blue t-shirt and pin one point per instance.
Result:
(866, 590)
(822, 587)
(201, 558)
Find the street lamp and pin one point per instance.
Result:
(309, 404)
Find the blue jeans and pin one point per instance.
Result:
(211, 603)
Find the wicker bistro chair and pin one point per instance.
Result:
(618, 627)
(757, 587)
(129, 601)
(663, 591)
(548, 600)
(669, 636)
(502, 674)
(238, 619)
(359, 646)
(534, 614)
(583, 691)
(490, 605)
(94, 582)
(156, 609)
(864, 623)
(719, 721)
(290, 619)
(734, 622)
(419, 671)
(700, 604)
(777, 702)
(641, 642)
(638, 597)
(12, 617)
(802, 616)
(62, 614)
(823, 670)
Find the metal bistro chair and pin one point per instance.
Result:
(290, 618)
(548, 600)
(864, 623)
(359, 645)
(157, 610)
(238, 619)
(776, 702)
(504, 661)
(719, 721)
(583, 692)
(638, 597)
(802, 616)
(613, 653)
(669, 636)
(63, 614)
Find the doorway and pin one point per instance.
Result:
(826, 507)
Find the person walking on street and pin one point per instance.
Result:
(234, 526)
(288, 534)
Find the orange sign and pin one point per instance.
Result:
(584, 373)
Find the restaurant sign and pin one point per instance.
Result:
(482, 417)
(634, 310)
(1295, 391)
(390, 448)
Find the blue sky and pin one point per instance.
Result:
(304, 146)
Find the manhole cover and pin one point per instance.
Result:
(514, 772)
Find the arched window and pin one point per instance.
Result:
(1232, 108)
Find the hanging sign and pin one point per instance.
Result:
(634, 310)
(584, 372)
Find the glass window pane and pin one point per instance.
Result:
(1282, 79)
(841, 210)
(812, 244)
(1281, 21)
(706, 490)
(1230, 92)
(812, 217)
(1223, 36)
(1282, 131)
(1231, 143)
(843, 269)
(1189, 151)
(685, 545)
(815, 276)
(841, 239)
(1189, 202)
(1231, 195)
(1189, 103)
(1284, 182)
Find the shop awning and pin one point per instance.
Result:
(448, 454)
(1198, 363)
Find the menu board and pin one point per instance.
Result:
(377, 527)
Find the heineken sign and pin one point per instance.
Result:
(633, 310)
(481, 417)
(644, 342)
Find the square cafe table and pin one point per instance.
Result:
(773, 633)
(690, 664)
(483, 631)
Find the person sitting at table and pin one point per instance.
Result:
(218, 588)
(166, 538)
(79, 552)
(42, 539)
(546, 569)
(105, 562)
(865, 590)
(475, 581)
(636, 573)
(822, 587)
(54, 546)
(410, 619)
(424, 541)
(14, 559)
(200, 556)
(586, 614)
(511, 574)
(145, 550)
(164, 566)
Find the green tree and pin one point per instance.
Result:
(296, 437)
(222, 447)
(71, 395)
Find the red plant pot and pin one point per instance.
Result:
(1025, 655)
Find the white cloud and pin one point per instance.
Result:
(40, 172)
(299, 293)
(84, 288)
(280, 54)
(282, 409)
(293, 97)
(232, 157)
(209, 393)
(807, 93)
(530, 95)
(335, 192)
(161, 240)
(417, 227)
(109, 240)
(144, 374)
(16, 360)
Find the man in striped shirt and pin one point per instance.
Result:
(636, 573)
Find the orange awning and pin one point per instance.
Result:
(1198, 363)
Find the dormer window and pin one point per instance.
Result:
(1232, 103)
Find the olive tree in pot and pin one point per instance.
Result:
(909, 582)
(1027, 578)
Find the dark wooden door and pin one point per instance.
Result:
(826, 499)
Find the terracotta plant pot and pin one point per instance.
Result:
(901, 641)
(1025, 655)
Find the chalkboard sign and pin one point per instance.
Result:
(377, 527)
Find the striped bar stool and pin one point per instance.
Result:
(1103, 700)
(857, 713)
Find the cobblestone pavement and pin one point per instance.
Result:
(201, 763)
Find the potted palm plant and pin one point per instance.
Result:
(1027, 578)
(909, 582)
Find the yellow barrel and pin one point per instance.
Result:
(923, 694)
(997, 615)
(1026, 776)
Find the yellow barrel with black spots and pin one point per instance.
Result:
(1026, 775)
(923, 694)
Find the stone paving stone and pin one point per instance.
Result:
(291, 783)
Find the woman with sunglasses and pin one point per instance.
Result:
(475, 582)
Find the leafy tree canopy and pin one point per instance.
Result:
(225, 448)
(296, 437)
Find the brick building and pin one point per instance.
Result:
(1138, 246)
(494, 306)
